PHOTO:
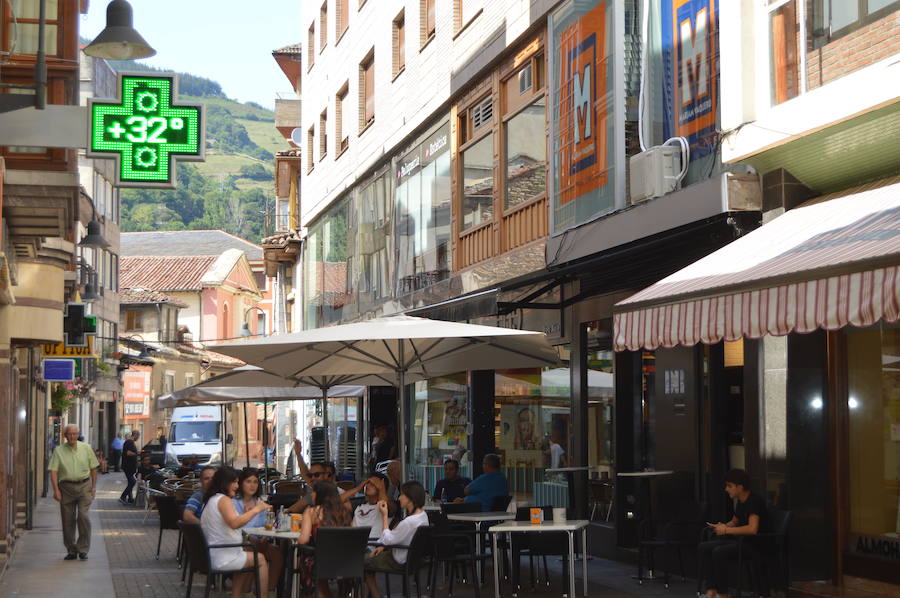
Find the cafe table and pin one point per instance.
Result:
(286, 538)
(570, 526)
(646, 499)
(479, 519)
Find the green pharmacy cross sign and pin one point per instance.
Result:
(146, 131)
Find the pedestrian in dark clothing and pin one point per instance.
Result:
(749, 519)
(130, 466)
(115, 451)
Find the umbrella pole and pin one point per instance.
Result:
(223, 415)
(265, 439)
(401, 429)
(325, 422)
(246, 435)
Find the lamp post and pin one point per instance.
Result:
(245, 328)
(119, 40)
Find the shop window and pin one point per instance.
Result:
(873, 421)
(423, 200)
(439, 424)
(328, 267)
(478, 182)
(373, 246)
(525, 145)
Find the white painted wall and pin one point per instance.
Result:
(189, 316)
(401, 105)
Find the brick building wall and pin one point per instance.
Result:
(863, 47)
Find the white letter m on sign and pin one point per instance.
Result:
(694, 59)
(581, 111)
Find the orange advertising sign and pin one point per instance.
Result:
(583, 114)
(136, 391)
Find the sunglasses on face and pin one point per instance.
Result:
(316, 474)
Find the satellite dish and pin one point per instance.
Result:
(297, 137)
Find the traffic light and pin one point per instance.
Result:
(76, 325)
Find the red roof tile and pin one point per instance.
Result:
(164, 273)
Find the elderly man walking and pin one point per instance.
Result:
(73, 475)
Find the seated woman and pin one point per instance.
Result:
(328, 511)
(246, 499)
(222, 525)
(384, 558)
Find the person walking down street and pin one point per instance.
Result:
(130, 467)
(73, 475)
(115, 452)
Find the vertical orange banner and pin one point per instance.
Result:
(582, 156)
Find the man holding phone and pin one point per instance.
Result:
(749, 520)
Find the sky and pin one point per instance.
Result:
(229, 41)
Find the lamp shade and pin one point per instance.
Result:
(90, 293)
(94, 238)
(119, 41)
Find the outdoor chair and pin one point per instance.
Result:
(602, 493)
(419, 556)
(340, 554)
(289, 487)
(454, 549)
(144, 486)
(452, 508)
(199, 560)
(679, 533)
(169, 515)
(501, 503)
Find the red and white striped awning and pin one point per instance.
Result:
(831, 262)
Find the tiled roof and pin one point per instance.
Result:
(142, 295)
(164, 273)
(186, 242)
(281, 238)
(289, 49)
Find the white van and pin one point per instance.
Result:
(195, 431)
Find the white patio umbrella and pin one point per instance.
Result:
(396, 348)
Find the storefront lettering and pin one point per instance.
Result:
(436, 145)
(879, 546)
(407, 167)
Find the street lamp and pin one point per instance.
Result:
(119, 41)
(245, 329)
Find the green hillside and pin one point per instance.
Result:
(233, 188)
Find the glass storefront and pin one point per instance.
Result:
(873, 407)
(439, 424)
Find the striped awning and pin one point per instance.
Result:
(831, 262)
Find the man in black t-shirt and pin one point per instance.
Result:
(129, 466)
(452, 486)
(749, 519)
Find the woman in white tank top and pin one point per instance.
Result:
(222, 525)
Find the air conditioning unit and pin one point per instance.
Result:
(654, 172)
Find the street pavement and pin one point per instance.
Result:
(123, 561)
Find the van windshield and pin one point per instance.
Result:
(195, 431)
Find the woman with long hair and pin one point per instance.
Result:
(222, 525)
(328, 511)
(246, 499)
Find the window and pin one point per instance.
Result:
(169, 382)
(189, 379)
(340, 131)
(525, 143)
(784, 53)
(310, 144)
(323, 26)
(311, 47)
(367, 91)
(426, 18)
(24, 28)
(133, 320)
(342, 18)
(478, 182)
(399, 42)
(481, 114)
(323, 134)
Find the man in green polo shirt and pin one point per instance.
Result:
(73, 475)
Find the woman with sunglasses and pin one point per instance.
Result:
(245, 501)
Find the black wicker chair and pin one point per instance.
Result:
(199, 559)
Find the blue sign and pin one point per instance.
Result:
(690, 48)
(59, 370)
